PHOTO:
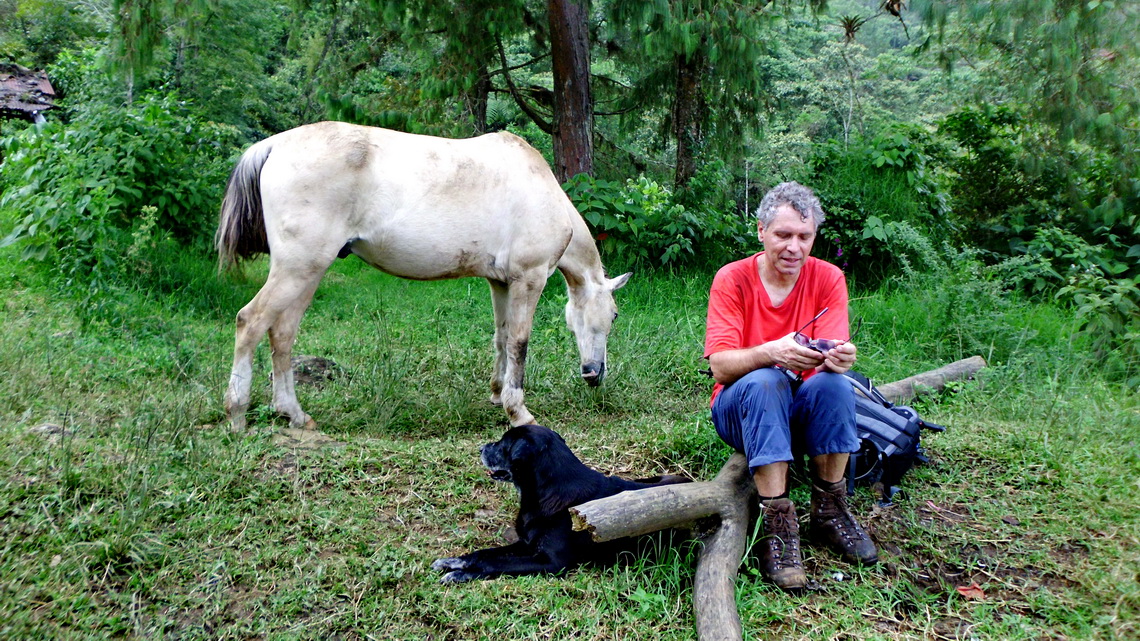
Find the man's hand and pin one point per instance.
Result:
(839, 359)
(787, 352)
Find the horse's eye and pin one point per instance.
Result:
(615, 315)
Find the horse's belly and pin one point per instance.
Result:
(423, 264)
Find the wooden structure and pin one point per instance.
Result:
(729, 496)
(24, 93)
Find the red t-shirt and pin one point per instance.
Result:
(741, 314)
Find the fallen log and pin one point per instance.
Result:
(935, 379)
(643, 511)
(728, 496)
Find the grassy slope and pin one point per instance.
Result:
(148, 519)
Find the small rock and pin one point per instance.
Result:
(300, 439)
(1010, 520)
(313, 370)
(838, 576)
(50, 431)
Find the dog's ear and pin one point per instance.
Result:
(522, 451)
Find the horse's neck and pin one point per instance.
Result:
(580, 263)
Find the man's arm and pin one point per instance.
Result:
(731, 364)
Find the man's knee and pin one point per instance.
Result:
(764, 382)
(829, 384)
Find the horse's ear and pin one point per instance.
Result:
(620, 281)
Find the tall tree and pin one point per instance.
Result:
(573, 102)
(701, 56)
(467, 31)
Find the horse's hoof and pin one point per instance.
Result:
(310, 424)
(496, 400)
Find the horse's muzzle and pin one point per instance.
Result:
(593, 373)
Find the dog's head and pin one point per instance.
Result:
(513, 458)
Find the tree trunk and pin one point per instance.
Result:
(688, 115)
(573, 105)
(475, 100)
(729, 495)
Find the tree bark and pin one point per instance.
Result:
(475, 100)
(573, 105)
(688, 115)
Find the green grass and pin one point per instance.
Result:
(145, 517)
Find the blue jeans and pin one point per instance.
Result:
(768, 417)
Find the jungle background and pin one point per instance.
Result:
(978, 164)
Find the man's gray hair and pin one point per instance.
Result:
(792, 193)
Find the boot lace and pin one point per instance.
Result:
(842, 520)
(780, 528)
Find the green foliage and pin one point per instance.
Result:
(636, 224)
(641, 223)
(696, 62)
(995, 199)
(76, 192)
(35, 32)
(1109, 311)
(867, 185)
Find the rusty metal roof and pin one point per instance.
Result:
(23, 90)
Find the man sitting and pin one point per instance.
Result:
(777, 390)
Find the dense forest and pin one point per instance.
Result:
(1006, 130)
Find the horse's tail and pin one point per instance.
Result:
(241, 223)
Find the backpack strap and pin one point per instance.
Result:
(863, 385)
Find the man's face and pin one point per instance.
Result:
(787, 241)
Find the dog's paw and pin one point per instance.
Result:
(448, 564)
(458, 576)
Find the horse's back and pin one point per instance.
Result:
(416, 206)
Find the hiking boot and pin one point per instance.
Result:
(833, 524)
(780, 560)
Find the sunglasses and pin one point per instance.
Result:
(820, 344)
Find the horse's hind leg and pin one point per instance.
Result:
(282, 335)
(276, 309)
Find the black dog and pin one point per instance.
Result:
(550, 480)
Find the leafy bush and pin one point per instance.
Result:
(76, 192)
(641, 224)
(867, 185)
(995, 200)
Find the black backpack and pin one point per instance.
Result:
(889, 440)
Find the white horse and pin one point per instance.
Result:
(417, 207)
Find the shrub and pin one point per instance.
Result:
(640, 223)
(75, 192)
(867, 185)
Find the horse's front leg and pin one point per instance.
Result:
(499, 302)
(522, 298)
